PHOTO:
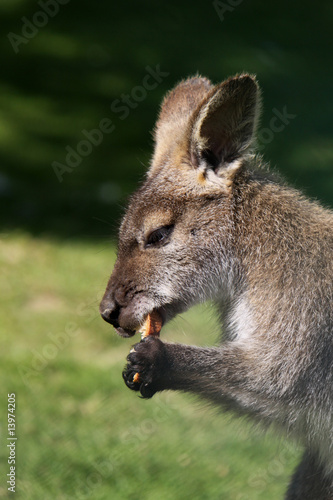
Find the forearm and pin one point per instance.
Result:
(212, 372)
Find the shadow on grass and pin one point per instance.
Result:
(67, 75)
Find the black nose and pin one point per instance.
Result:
(110, 312)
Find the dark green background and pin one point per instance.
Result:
(66, 77)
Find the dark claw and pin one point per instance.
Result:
(128, 375)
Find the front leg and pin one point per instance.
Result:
(216, 373)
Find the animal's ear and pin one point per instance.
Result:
(176, 110)
(222, 129)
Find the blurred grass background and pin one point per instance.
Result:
(81, 433)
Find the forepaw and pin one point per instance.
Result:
(146, 367)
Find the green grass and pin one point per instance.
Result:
(81, 432)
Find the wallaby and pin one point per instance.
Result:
(210, 222)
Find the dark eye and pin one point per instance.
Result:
(159, 236)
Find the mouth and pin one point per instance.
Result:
(151, 325)
(125, 332)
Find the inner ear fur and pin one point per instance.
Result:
(223, 127)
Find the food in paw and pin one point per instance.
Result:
(151, 326)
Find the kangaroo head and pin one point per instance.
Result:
(176, 239)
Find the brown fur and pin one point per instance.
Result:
(210, 222)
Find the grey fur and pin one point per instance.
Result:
(263, 252)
